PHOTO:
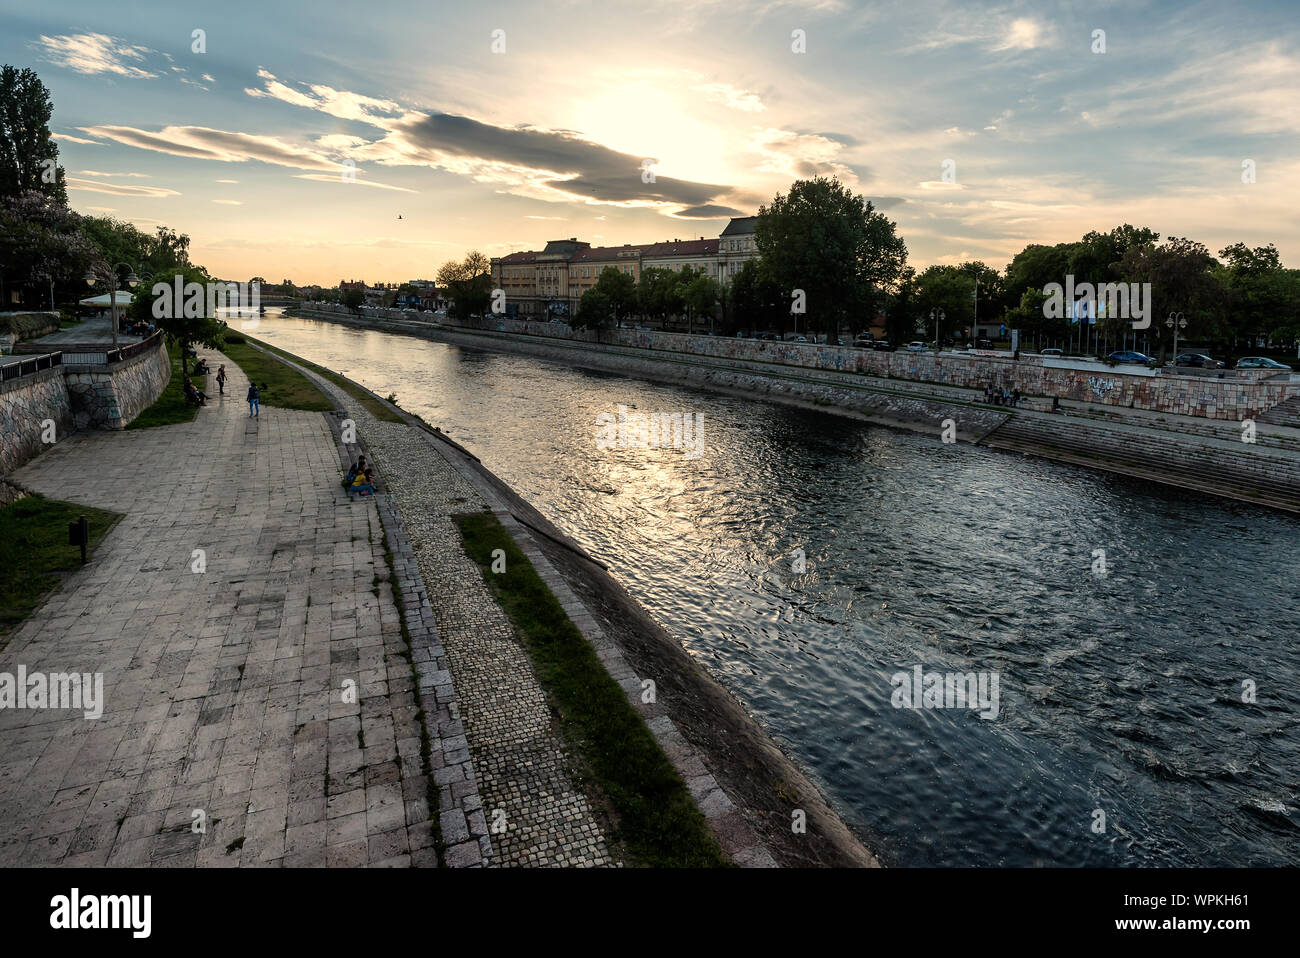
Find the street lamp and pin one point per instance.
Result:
(937, 316)
(1176, 322)
(131, 280)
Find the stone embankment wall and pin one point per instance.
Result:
(27, 407)
(109, 397)
(1239, 395)
(73, 398)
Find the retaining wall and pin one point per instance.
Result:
(109, 397)
(1239, 395)
(27, 405)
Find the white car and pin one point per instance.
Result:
(916, 346)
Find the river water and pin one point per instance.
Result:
(1125, 733)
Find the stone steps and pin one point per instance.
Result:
(1284, 414)
(1269, 477)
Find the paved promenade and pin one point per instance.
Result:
(223, 688)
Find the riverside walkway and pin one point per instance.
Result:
(224, 699)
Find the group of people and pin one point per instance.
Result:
(360, 476)
(138, 328)
(1002, 397)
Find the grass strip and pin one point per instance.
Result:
(34, 551)
(281, 385)
(657, 821)
(376, 408)
(171, 407)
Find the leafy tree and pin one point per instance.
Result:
(1181, 277)
(950, 289)
(44, 253)
(753, 299)
(185, 323)
(822, 239)
(595, 311)
(468, 283)
(903, 313)
(619, 289)
(1259, 293)
(700, 292)
(353, 299)
(28, 157)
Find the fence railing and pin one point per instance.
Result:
(81, 356)
(26, 367)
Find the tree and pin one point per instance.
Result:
(833, 246)
(353, 299)
(619, 290)
(28, 157)
(43, 250)
(700, 293)
(185, 323)
(1259, 293)
(753, 299)
(1180, 273)
(468, 283)
(595, 311)
(950, 289)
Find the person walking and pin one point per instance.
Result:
(254, 409)
(221, 380)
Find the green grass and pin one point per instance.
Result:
(34, 551)
(657, 821)
(284, 387)
(376, 408)
(172, 406)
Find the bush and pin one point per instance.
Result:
(233, 338)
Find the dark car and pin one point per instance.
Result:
(1197, 359)
(1261, 362)
(883, 346)
(1130, 356)
(864, 343)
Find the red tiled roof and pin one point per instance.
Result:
(698, 247)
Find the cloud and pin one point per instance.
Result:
(708, 211)
(119, 189)
(75, 139)
(941, 185)
(1022, 34)
(203, 143)
(227, 181)
(144, 176)
(545, 164)
(95, 53)
(336, 178)
(561, 218)
(732, 96)
(337, 103)
(230, 202)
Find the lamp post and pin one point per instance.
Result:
(1176, 322)
(937, 316)
(131, 280)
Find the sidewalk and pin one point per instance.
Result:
(223, 688)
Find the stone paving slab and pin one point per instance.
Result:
(223, 689)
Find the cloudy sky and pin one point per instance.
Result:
(291, 144)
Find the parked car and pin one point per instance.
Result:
(883, 346)
(1053, 353)
(1131, 356)
(1261, 362)
(1197, 359)
(916, 346)
(742, 334)
(863, 343)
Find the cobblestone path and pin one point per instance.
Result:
(523, 770)
(223, 688)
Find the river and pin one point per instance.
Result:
(1145, 716)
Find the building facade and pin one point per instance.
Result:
(549, 283)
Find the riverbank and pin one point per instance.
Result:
(749, 791)
(1186, 452)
